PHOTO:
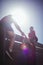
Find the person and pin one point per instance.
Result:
(6, 21)
(33, 39)
(32, 35)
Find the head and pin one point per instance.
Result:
(31, 28)
(6, 18)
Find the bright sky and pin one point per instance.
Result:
(26, 14)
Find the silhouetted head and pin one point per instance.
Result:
(31, 28)
(6, 18)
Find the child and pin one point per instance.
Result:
(32, 36)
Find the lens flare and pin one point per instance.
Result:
(24, 46)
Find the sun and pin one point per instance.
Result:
(19, 16)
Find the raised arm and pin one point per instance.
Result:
(10, 20)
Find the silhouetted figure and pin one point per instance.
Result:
(33, 39)
(6, 22)
(32, 36)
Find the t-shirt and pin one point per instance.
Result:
(32, 35)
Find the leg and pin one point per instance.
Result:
(11, 35)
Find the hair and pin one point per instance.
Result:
(31, 27)
(5, 18)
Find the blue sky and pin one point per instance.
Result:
(33, 11)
